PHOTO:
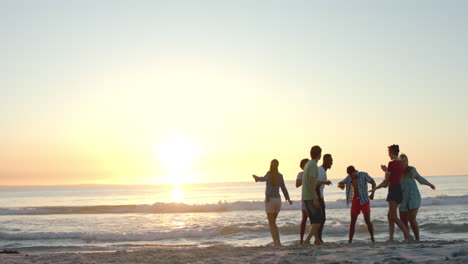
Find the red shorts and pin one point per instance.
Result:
(356, 206)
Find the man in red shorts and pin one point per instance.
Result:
(356, 187)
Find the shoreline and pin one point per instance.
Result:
(447, 251)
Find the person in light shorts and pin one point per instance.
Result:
(411, 198)
(274, 181)
(273, 206)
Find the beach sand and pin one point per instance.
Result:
(416, 252)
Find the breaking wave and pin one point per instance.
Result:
(160, 208)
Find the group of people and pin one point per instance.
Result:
(400, 179)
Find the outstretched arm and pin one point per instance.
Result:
(383, 184)
(258, 178)
(422, 180)
(320, 183)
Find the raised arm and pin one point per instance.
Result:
(387, 173)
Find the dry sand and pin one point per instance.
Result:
(416, 252)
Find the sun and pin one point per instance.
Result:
(177, 154)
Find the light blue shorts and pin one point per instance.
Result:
(409, 204)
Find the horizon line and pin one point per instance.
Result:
(142, 184)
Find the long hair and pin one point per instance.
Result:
(408, 169)
(274, 174)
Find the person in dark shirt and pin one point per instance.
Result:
(393, 173)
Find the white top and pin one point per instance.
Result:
(322, 176)
(299, 175)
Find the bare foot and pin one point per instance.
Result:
(389, 241)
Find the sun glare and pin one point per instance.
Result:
(177, 154)
(177, 193)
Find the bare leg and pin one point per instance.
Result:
(314, 231)
(414, 224)
(309, 236)
(393, 216)
(370, 227)
(321, 225)
(303, 225)
(352, 227)
(404, 218)
(391, 227)
(274, 228)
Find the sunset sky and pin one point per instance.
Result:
(146, 92)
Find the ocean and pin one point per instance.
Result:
(131, 217)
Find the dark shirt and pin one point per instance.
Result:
(272, 191)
